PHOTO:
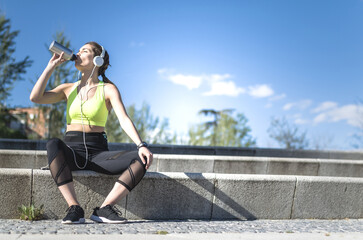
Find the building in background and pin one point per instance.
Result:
(32, 122)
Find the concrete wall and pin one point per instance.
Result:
(328, 197)
(213, 164)
(193, 195)
(21, 144)
(15, 190)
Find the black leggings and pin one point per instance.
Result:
(64, 156)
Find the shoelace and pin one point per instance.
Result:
(114, 209)
(72, 208)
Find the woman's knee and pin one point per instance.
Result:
(53, 143)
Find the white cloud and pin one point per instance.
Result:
(162, 70)
(350, 113)
(217, 77)
(260, 91)
(301, 105)
(320, 118)
(277, 97)
(188, 81)
(298, 119)
(220, 84)
(217, 82)
(325, 106)
(288, 106)
(224, 88)
(301, 121)
(274, 98)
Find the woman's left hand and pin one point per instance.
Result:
(144, 152)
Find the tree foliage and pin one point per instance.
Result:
(225, 129)
(10, 69)
(5, 122)
(10, 72)
(287, 136)
(150, 128)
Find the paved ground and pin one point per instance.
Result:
(191, 229)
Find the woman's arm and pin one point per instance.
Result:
(38, 94)
(113, 95)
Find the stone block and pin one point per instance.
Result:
(17, 158)
(91, 189)
(15, 190)
(293, 166)
(172, 196)
(240, 165)
(239, 196)
(185, 163)
(201, 150)
(328, 198)
(341, 168)
(41, 159)
(154, 164)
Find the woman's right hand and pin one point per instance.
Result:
(38, 94)
(56, 60)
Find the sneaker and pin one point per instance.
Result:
(75, 215)
(107, 214)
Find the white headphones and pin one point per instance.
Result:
(98, 60)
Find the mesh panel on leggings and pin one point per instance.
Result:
(58, 166)
(133, 175)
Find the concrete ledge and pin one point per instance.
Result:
(184, 163)
(193, 195)
(214, 164)
(22, 144)
(23, 159)
(339, 168)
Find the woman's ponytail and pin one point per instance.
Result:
(105, 79)
(97, 49)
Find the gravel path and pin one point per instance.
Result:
(178, 227)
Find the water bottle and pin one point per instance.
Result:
(58, 48)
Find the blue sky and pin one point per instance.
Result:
(302, 60)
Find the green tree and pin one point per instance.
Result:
(56, 113)
(10, 72)
(113, 129)
(225, 129)
(5, 130)
(150, 128)
(286, 135)
(10, 69)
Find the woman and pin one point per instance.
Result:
(84, 146)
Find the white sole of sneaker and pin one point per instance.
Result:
(105, 220)
(80, 221)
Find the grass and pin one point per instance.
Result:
(31, 213)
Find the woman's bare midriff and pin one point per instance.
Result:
(85, 128)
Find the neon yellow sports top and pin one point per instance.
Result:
(94, 110)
